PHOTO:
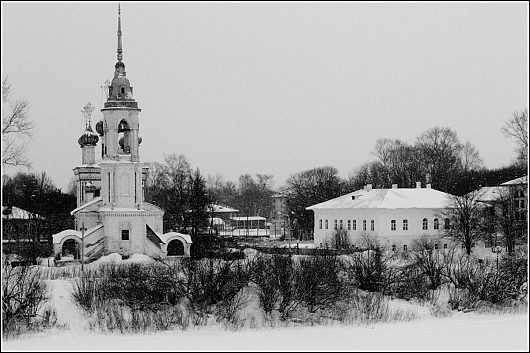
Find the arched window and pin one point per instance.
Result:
(372, 225)
(393, 224)
(335, 225)
(349, 224)
(436, 224)
(364, 224)
(447, 223)
(326, 224)
(405, 224)
(340, 225)
(354, 225)
(425, 224)
(320, 224)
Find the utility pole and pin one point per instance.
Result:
(83, 247)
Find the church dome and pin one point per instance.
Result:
(89, 138)
(99, 127)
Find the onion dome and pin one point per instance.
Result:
(99, 127)
(89, 138)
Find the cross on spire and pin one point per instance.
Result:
(120, 50)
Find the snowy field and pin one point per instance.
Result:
(460, 332)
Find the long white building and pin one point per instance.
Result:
(397, 216)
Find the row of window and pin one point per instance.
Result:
(352, 224)
(436, 247)
(425, 224)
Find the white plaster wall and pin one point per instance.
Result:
(382, 218)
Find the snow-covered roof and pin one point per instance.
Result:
(57, 238)
(19, 213)
(388, 198)
(490, 193)
(166, 236)
(519, 181)
(253, 218)
(221, 209)
(89, 203)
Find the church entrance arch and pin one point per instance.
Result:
(71, 248)
(175, 248)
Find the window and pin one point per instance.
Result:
(349, 224)
(435, 246)
(436, 224)
(445, 246)
(320, 224)
(393, 224)
(394, 248)
(354, 224)
(326, 224)
(405, 224)
(124, 234)
(340, 225)
(372, 225)
(335, 225)
(364, 224)
(404, 247)
(463, 246)
(425, 224)
(447, 224)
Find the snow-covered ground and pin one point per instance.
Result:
(460, 331)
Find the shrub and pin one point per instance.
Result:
(23, 293)
(318, 284)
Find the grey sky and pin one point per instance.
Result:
(272, 88)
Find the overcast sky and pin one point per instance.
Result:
(271, 88)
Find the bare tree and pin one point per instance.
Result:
(465, 214)
(517, 129)
(16, 128)
(470, 158)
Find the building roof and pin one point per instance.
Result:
(490, 193)
(250, 218)
(19, 213)
(388, 199)
(221, 209)
(519, 181)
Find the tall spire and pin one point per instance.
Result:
(119, 34)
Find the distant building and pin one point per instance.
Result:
(397, 216)
(514, 192)
(20, 228)
(219, 217)
(279, 220)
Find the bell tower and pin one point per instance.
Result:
(121, 170)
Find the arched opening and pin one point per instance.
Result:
(124, 138)
(175, 248)
(71, 248)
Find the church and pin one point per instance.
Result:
(112, 215)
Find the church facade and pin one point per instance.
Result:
(112, 215)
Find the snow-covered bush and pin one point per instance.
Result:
(23, 294)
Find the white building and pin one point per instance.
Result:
(112, 215)
(397, 216)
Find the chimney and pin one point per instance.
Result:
(369, 187)
(394, 186)
(428, 186)
(418, 185)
